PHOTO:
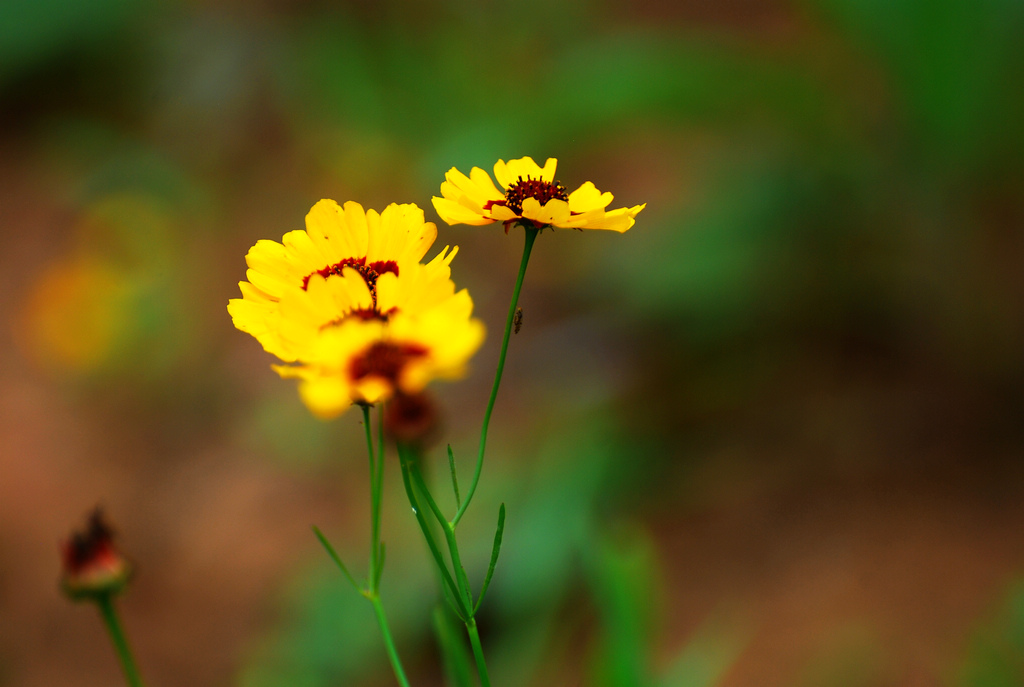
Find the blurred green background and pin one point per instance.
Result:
(772, 436)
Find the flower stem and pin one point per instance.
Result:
(105, 602)
(530, 234)
(375, 498)
(372, 591)
(478, 652)
(453, 589)
(461, 588)
(389, 643)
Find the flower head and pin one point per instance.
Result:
(363, 327)
(302, 315)
(363, 247)
(91, 564)
(366, 361)
(531, 194)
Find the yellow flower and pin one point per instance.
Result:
(328, 302)
(531, 194)
(360, 246)
(366, 361)
(348, 302)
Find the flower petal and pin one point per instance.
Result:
(587, 197)
(619, 220)
(483, 180)
(456, 213)
(326, 396)
(523, 167)
(548, 172)
(501, 213)
(501, 174)
(552, 212)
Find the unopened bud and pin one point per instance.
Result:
(412, 419)
(92, 565)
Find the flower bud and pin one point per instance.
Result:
(92, 565)
(412, 419)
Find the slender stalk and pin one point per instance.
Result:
(478, 652)
(105, 602)
(449, 535)
(380, 473)
(389, 643)
(378, 486)
(375, 498)
(462, 608)
(372, 591)
(462, 581)
(530, 234)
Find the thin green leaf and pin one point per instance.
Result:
(335, 557)
(457, 667)
(449, 583)
(449, 535)
(380, 566)
(495, 551)
(455, 478)
(417, 477)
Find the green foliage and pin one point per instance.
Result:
(329, 634)
(621, 570)
(458, 665)
(995, 657)
(32, 31)
(956, 65)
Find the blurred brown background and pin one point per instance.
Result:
(770, 437)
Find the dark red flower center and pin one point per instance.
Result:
(520, 190)
(385, 360)
(370, 272)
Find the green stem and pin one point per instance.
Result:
(478, 652)
(380, 465)
(449, 534)
(376, 563)
(404, 460)
(530, 234)
(389, 643)
(377, 484)
(105, 602)
(460, 573)
(375, 498)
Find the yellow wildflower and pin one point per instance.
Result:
(348, 302)
(366, 361)
(531, 195)
(359, 246)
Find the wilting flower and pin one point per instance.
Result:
(359, 246)
(531, 195)
(92, 565)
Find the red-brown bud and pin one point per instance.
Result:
(92, 565)
(412, 419)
